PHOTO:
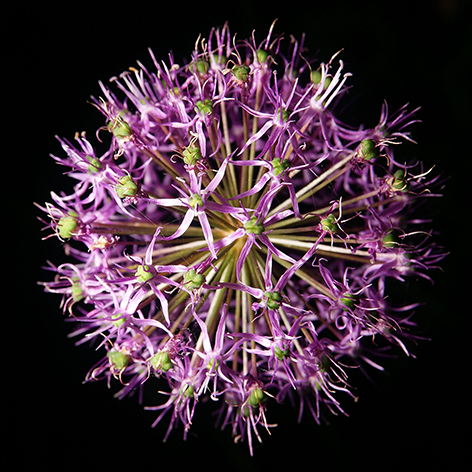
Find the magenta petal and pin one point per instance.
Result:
(244, 253)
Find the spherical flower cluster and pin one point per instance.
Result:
(235, 239)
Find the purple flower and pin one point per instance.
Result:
(236, 239)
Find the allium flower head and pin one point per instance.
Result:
(236, 239)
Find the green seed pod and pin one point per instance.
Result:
(315, 77)
(262, 55)
(161, 361)
(205, 107)
(274, 299)
(126, 187)
(281, 354)
(329, 224)
(400, 181)
(282, 112)
(201, 66)
(172, 91)
(188, 391)
(272, 304)
(192, 155)
(119, 127)
(192, 280)
(325, 364)
(368, 150)
(221, 60)
(120, 319)
(256, 397)
(348, 300)
(391, 239)
(119, 360)
(213, 364)
(94, 166)
(67, 225)
(253, 227)
(77, 292)
(196, 200)
(143, 274)
(279, 166)
(241, 73)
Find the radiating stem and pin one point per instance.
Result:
(215, 309)
(306, 191)
(245, 316)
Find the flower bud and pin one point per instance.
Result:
(329, 224)
(191, 155)
(126, 187)
(193, 280)
(256, 397)
(279, 166)
(118, 360)
(281, 354)
(262, 55)
(368, 150)
(120, 128)
(252, 226)
(205, 107)
(348, 300)
(241, 73)
(274, 299)
(143, 274)
(67, 225)
(94, 166)
(196, 200)
(161, 361)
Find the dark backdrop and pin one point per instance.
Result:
(414, 415)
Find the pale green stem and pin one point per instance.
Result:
(280, 226)
(164, 163)
(288, 326)
(181, 249)
(245, 317)
(215, 309)
(189, 257)
(230, 175)
(256, 198)
(177, 300)
(294, 243)
(237, 322)
(304, 275)
(302, 130)
(224, 122)
(306, 191)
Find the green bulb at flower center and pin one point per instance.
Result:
(254, 227)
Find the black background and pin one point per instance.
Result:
(415, 416)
